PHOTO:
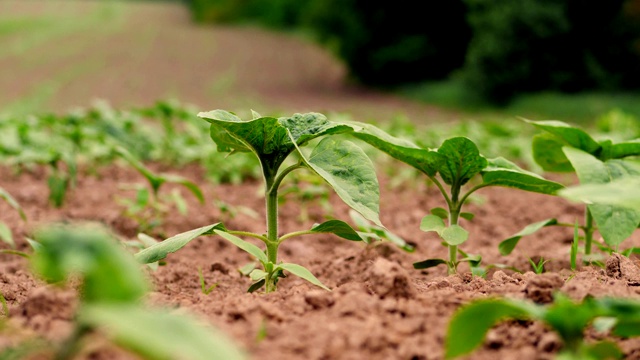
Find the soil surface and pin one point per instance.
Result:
(380, 307)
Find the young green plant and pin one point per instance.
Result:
(470, 324)
(342, 164)
(457, 161)
(565, 148)
(149, 207)
(110, 302)
(6, 235)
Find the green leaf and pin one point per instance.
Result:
(547, 152)
(440, 212)
(470, 324)
(501, 172)
(154, 180)
(454, 235)
(604, 350)
(507, 246)
(432, 223)
(109, 273)
(267, 137)
(158, 334)
(467, 216)
(337, 227)
(623, 192)
(302, 272)
(258, 274)
(427, 161)
(570, 135)
(189, 185)
(429, 263)
(256, 286)
(624, 149)
(12, 202)
(348, 170)
(462, 161)
(6, 235)
(160, 250)
(244, 245)
(615, 223)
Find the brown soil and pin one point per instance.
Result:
(380, 308)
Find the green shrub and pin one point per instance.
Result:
(570, 45)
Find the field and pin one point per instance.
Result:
(63, 56)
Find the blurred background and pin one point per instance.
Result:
(570, 60)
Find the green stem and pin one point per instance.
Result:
(454, 214)
(588, 231)
(295, 233)
(249, 234)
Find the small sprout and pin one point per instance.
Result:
(203, 286)
(538, 267)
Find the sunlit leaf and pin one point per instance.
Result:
(160, 250)
(302, 272)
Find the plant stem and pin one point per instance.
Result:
(454, 214)
(272, 231)
(588, 231)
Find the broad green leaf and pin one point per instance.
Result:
(547, 152)
(267, 137)
(6, 236)
(159, 334)
(244, 245)
(160, 250)
(470, 324)
(427, 161)
(462, 161)
(572, 136)
(440, 212)
(623, 192)
(302, 272)
(615, 223)
(337, 227)
(428, 263)
(501, 172)
(257, 274)
(12, 202)
(109, 274)
(454, 235)
(349, 171)
(507, 246)
(624, 149)
(432, 223)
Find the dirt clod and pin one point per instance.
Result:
(623, 268)
(540, 288)
(388, 279)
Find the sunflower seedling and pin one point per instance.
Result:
(620, 317)
(456, 161)
(565, 148)
(111, 292)
(6, 235)
(149, 207)
(340, 163)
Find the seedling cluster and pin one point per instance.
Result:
(326, 155)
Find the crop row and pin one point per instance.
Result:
(333, 152)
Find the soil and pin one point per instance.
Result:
(380, 307)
